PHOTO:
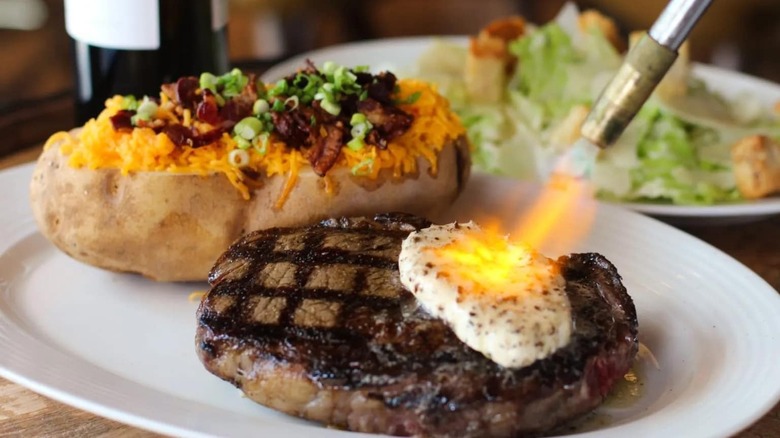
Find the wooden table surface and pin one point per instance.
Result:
(24, 413)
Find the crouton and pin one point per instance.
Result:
(489, 63)
(592, 19)
(756, 163)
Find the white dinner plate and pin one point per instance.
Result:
(122, 346)
(399, 54)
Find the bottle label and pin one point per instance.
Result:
(115, 24)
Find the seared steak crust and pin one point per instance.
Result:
(315, 322)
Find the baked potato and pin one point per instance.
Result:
(171, 225)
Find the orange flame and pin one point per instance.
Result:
(484, 258)
(555, 223)
(561, 216)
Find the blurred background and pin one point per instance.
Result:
(36, 69)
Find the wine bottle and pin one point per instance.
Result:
(134, 46)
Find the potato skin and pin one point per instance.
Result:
(173, 227)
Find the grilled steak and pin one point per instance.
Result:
(314, 322)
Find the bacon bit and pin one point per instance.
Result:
(208, 137)
(363, 78)
(389, 122)
(382, 88)
(183, 136)
(294, 127)
(186, 88)
(123, 120)
(324, 154)
(179, 135)
(235, 110)
(208, 110)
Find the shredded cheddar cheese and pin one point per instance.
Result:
(99, 146)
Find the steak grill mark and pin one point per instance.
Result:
(358, 293)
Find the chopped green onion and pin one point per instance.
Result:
(313, 84)
(238, 158)
(208, 82)
(342, 77)
(260, 107)
(360, 126)
(130, 103)
(313, 81)
(363, 95)
(313, 120)
(412, 98)
(261, 89)
(331, 107)
(260, 144)
(363, 167)
(143, 111)
(339, 75)
(293, 100)
(147, 109)
(279, 88)
(232, 83)
(328, 86)
(220, 100)
(357, 119)
(356, 144)
(248, 128)
(268, 122)
(241, 142)
(360, 130)
(299, 78)
(278, 106)
(329, 67)
(361, 68)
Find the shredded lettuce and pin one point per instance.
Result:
(675, 161)
(544, 74)
(555, 74)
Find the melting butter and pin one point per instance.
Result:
(627, 391)
(504, 300)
